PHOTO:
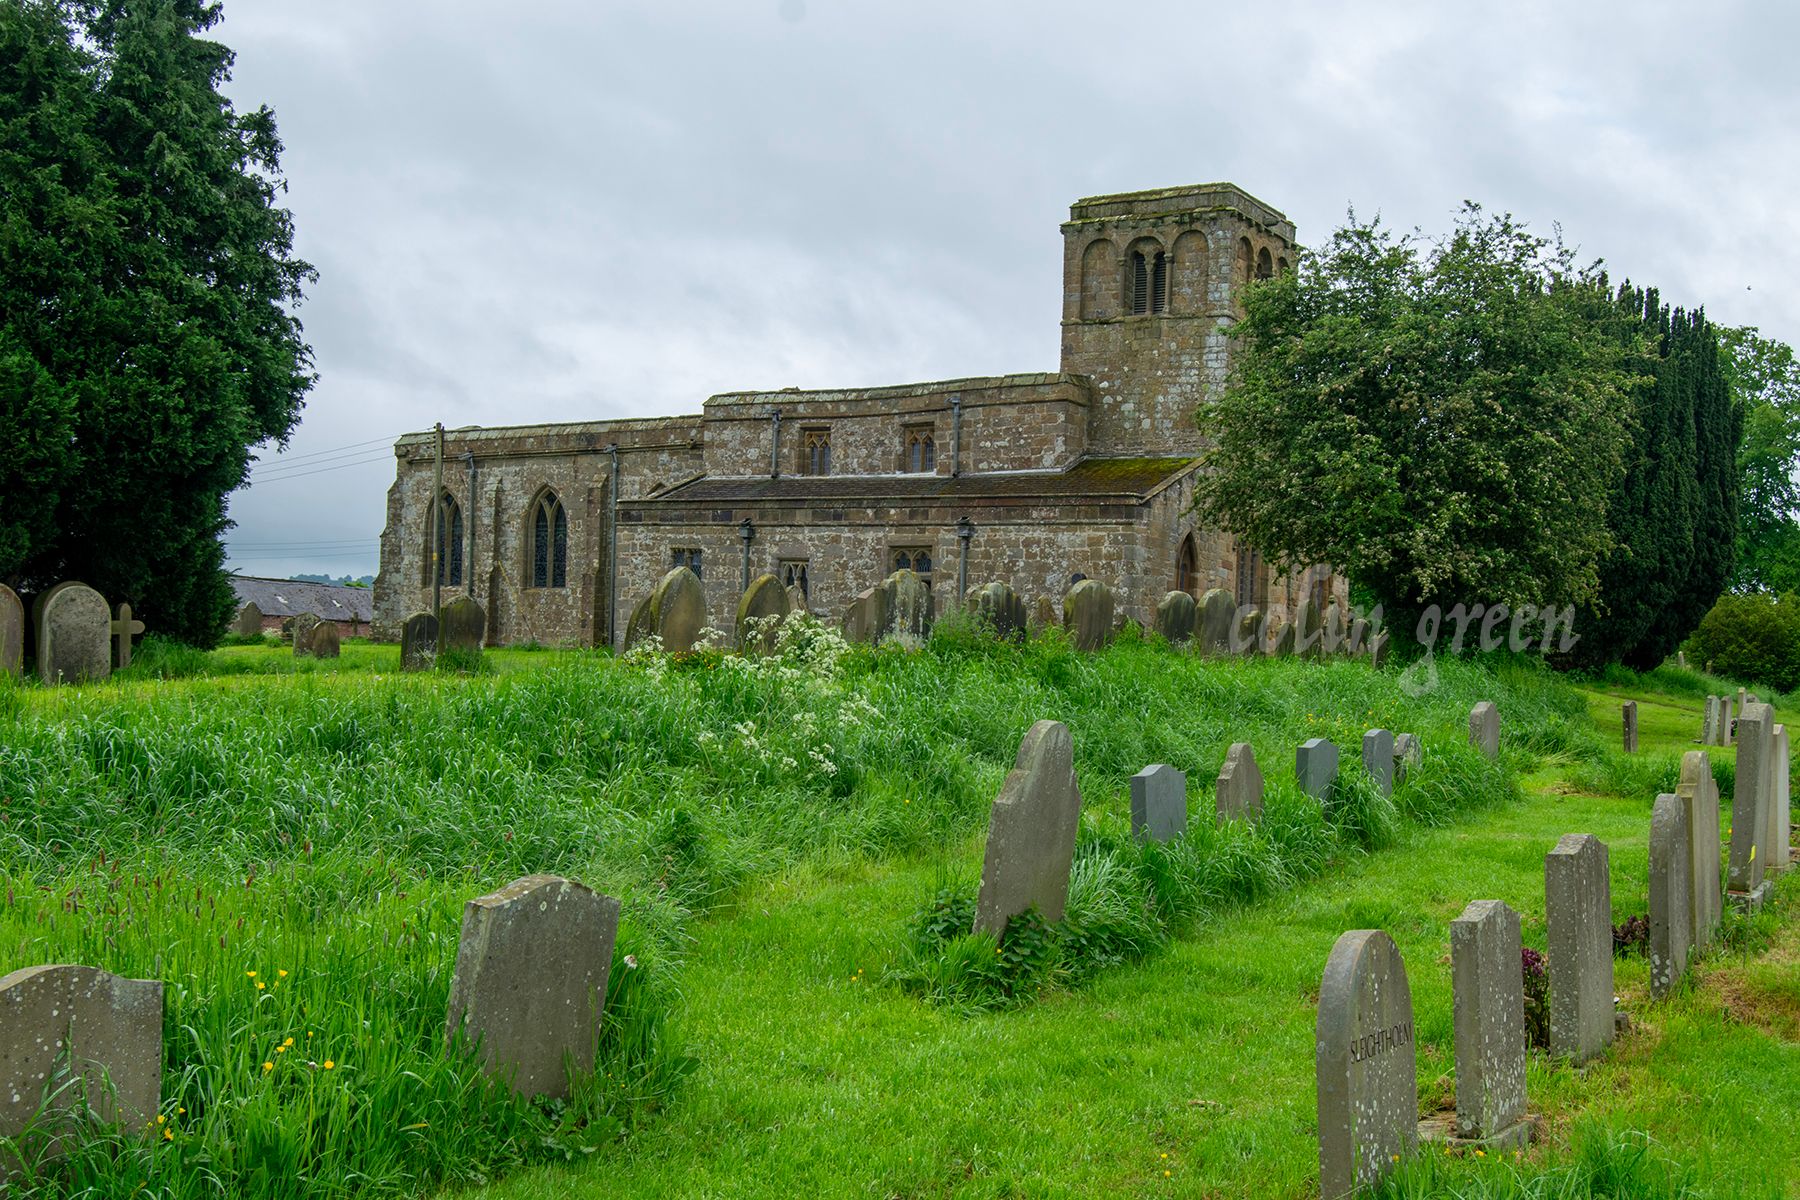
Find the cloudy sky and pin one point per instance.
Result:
(571, 211)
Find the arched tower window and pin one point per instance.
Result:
(1187, 568)
(1148, 287)
(1246, 260)
(449, 536)
(1265, 266)
(549, 547)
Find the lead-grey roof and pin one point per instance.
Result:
(291, 597)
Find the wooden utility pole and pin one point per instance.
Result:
(437, 529)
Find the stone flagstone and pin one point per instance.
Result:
(530, 982)
(124, 628)
(1366, 1063)
(461, 626)
(1031, 832)
(1781, 812)
(1316, 768)
(1175, 617)
(1158, 803)
(1409, 755)
(1378, 759)
(1629, 720)
(74, 634)
(418, 642)
(762, 607)
(102, 1026)
(1750, 805)
(1671, 894)
(1217, 614)
(1088, 614)
(1578, 914)
(1699, 796)
(1239, 792)
(12, 632)
(1484, 728)
(1489, 1002)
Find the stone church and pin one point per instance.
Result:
(560, 529)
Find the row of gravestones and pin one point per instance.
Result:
(314, 637)
(458, 628)
(527, 998)
(1717, 725)
(78, 637)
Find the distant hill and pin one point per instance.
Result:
(342, 581)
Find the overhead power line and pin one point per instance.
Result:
(282, 458)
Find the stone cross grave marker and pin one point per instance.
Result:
(1699, 796)
(1628, 721)
(1781, 812)
(1088, 614)
(1239, 792)
(1484, 728)
(530, 981)
(123, 630)
(1316, 768)
(12, 632)
(106, 1028)
(1175, 617)
(1409, 755)
(74, 634)
(418, 642)
(1158, 804)
(1217, 612)
(1378, 759)
(1578, 914)
(1671, 894)
(1031, 832)
(1750, 805)
(1489, 1006)
(462, 625)
(1366, 1063)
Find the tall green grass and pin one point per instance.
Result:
(1603, 1165)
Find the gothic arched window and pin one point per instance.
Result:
(449, 542)
(1252, 591)
(1265, 266)
(921, 450)
(1187, 572)
(549, 547)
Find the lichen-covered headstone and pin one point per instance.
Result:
(908, 608)
(1337, 629)
(302, 627)
(1671, 894)
(1217, 614)
(1246, 638)
(74, 634)
(1316, 768)
(1409, 755)
(1175, 617)
(866, 617)
(249, 621)
(1366, 1063)
(12, 632)
(325, 640)
(1001, 609)
(796, 598)
(87, 1022)
(1308, 628)
(124, 627)
(1158, 804)
(1484, 728)
(678, 610)
(530, 982)
(1781, 813)
(418, 642)
(1699, 795)
(1378, 759)
(1088, 614)
(1031, 832)
(1578, 914)
(461, 626)
(1489, 1002)
(762, 607)
(1239, 792)
(1750, 805)
(1629, 721)
(1280, 641)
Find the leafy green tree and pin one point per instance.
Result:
(1765, 379)
(1445, 423)
(147, 282)
(1752, 637)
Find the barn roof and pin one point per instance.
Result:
(291, 597)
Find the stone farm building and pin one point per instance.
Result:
(560, 529)
(281, 600)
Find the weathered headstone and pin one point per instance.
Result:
(74, 634)
(1158, 804)
(1628, 720)
(1316, 768)
(249, 621)
(1217, 613)
(909, 610)
(530, 982)
(1484, 728)
(1337, 629)
(638, 628)
(1001, 609)
(796, 598)
(1489, 1002)
(418, 642)
(1366, 1063)
(1175, 618)
(1378, 759)
(866, 617)
(1043, 614)
(1409, 755)
(302, 627)
(1781, 812)
(1578, 914)
(1308, 628)
(88, 1022)
(12, 632)
(325, 640)
(1709, 724)
(678, 610)
(1280, 641)
(1246, 639)
(461, 626)
(1727, 721)
(1031, 832)
(1088, 614)
(124, 628)
(1671, 894)
(1699, 796)
(1750, 806)
(1380, 645)
(760, 610)
(1239, 792)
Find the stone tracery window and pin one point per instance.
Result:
(449, 537)
(1252, 589)
(792, 573)
(921, 450)
(815, 451)
(916, 559)
(686, 556)
(1148, 286)
(549, 549)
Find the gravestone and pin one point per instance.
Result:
(796, 598)
(530, 982)
(1409, 755)
(1308, 628)
(1043, 614)
(87, 1021)
(74, 632)
(1671, 894)
(1628, 719)
(1378, 759)
(461, 626)
(1726, 719)
(1484, 728)
(1175, 618)
(764, 604)
(638, 628)
(908, 608)
(1743, 698)
(301, 629)
(325, 640)
(1316, 767)
(1578, 914)
(1709, 724)
(1489, 1003)
(12, 632)
(1001, 609)
(1246, 637)
(1380, 644)
(1337, 630)
(1239, 792)
(1366, 1064)
(1750, 806)
(124, 628)
(1781, 812)
(1031, 832)
(1217, 612)
(418, 642)
(249, 621)
(866, 616)
(1088, 614)
(1699, 795)
(1280, 643)
(1158, 804)
(677, 610)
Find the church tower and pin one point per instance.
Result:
(1151, 283)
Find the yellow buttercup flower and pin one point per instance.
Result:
(329, 1064)
(250, 974)
(268, 1066)
(259, 985)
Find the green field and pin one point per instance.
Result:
(774, 827)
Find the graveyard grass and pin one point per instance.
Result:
(774, 829)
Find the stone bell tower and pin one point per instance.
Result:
(1150, 285)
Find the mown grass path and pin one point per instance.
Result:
(1191, 1073)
